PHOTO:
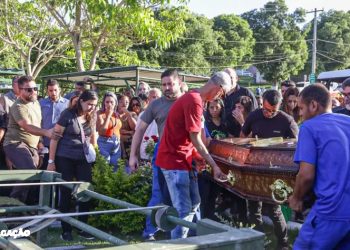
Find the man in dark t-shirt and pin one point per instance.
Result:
(268, 122)
(236, 92)
(280, 125)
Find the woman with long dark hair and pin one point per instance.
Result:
(69, 155)
(290, 103)
(108, 127)
(214, 119)
(136, 105)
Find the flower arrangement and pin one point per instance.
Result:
(216, 134)
(151, 144)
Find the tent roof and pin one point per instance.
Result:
(122, 76)
(335, 75)
(4, 71)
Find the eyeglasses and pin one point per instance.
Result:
(30, 90)
(345, 94)
(135, 104)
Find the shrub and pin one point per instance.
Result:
(134, 188)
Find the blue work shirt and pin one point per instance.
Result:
(324, 141)
(50, 112)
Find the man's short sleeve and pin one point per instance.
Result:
(306, 150)
(247, 127)
(19, 112)
(65, 118)
(193, 117)
(147, 115)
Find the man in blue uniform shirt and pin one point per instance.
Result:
(323, 153)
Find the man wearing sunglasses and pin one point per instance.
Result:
(346, 94)
(24, 131)
(268, 122)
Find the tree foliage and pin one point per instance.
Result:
(205, 45)
(115, 25)
(279, 40)
(333, 45)
(30, 34)
(235, 39)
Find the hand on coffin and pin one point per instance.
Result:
(218, 174)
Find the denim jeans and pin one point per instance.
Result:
(184, 193)
(157, 197)
(109, 148)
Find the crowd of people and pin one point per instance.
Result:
(59, 134)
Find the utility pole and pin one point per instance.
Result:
(314, 48)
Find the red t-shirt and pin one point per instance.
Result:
(175, 149)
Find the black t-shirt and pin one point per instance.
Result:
(212, 127)
(71, 145)
(343, 111)
(282, 125)
(233, 127)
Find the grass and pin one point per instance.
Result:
(54, 240)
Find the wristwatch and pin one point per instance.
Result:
(50, 161)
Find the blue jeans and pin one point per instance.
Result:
(184, 193)
(157, 196)
(109, 148)
(319, 233)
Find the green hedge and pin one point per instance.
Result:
(134, 188)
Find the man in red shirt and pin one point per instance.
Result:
(180, 137)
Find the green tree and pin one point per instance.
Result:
(115, 25)
(204, 47)
(192, 52)
(333, 45)
(31, 34)
(235, 39)
(280, 50)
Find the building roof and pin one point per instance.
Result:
(124, 76)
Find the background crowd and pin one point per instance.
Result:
(61, 133)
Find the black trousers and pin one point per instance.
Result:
(79, 170)
(208, 192)
(275, 213)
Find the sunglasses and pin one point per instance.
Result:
(135, 104)
(345, 94)
(30, 90)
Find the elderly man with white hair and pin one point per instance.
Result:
(143, 88)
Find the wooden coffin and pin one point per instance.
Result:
(262, 170)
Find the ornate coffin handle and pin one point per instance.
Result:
(280, 191)
(208, 168)
(230, 178)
